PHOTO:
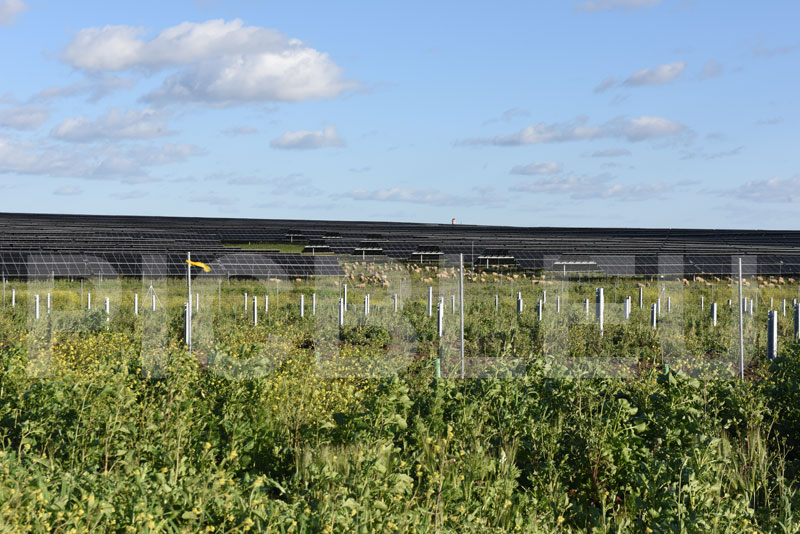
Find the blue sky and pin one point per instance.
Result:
(641, 113)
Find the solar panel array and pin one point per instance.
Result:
(83, 245)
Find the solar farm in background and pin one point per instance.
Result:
(33, 245)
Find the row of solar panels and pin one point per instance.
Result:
(19, 264)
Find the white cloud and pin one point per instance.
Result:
(605, 5)
(611, 153)
(546, 167)
(595, 187)
(711, 69)
(428, 196)
(308, 139)
(96, 87)
(129, 195)
(68, 190)
(116, 124)
(110, 163)
(656, 75)
(23, 116)
(213, 199)
(507, 116)
(9, 9)
(636, 129)
(605, 85)
(777, 190)
(218, 62)
(772, 121)
(240, 130)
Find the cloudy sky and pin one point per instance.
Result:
(650, 113)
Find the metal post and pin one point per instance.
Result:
(440, 317)
(36, 307)
(599, 307)
(430, 301)
(741, 325)
(461, 306)
(302, 306)
(772, 334)
(255, 310)
(797, 322)
(714, 314)
(189, 302)
(653, 316)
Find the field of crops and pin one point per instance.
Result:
(295, 424)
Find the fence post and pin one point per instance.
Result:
(599, 307)
(440, 317)
(772, 334)
(797, 322)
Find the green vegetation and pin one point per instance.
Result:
(268, 428)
